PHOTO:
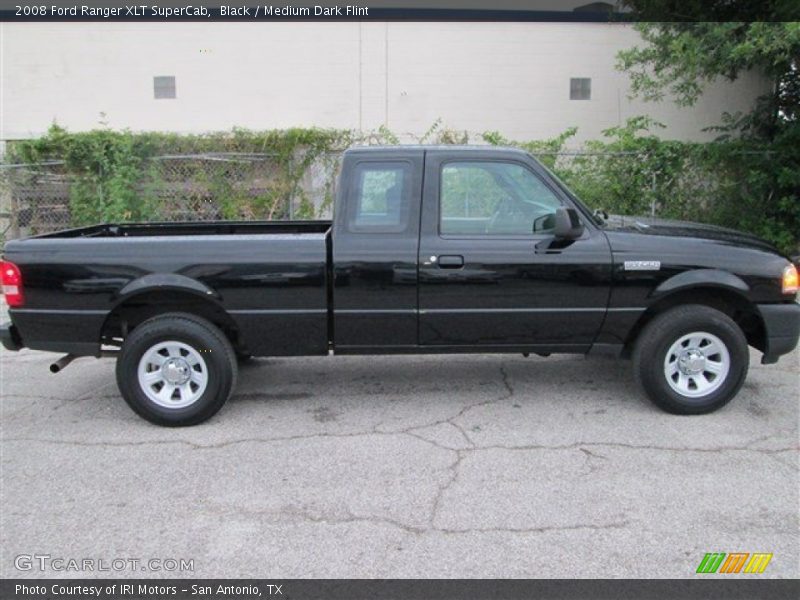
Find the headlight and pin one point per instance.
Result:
(789, 283)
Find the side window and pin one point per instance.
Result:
(494, 198)
(380, 198)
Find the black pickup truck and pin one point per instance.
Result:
(431, 250)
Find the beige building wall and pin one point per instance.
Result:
(510, 77)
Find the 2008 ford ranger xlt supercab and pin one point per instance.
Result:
(431, 250)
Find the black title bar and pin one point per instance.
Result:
(734, 588)
(199, 11)
(395, 10)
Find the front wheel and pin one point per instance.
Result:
(691, 359)
(176, 369)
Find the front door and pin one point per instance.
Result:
(491, 273)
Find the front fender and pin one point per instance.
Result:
(700, 277)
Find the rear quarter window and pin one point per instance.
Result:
(380, 197)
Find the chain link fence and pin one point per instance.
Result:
(635, 183)
(44, 197)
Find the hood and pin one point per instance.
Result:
(670, 228)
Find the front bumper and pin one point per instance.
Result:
(782, 326)
(9, 337)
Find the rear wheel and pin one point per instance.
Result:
(691, 359)
(176, 369)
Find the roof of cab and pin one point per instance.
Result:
(447, 147)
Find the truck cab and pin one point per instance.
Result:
(455, 249)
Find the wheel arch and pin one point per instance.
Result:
(710, 278)
(164, 282)
(726, 294)
(157, 294)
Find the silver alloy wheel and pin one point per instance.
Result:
(173, 374)
(697, 364)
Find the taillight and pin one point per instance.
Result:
(789, 284)
(12, 284)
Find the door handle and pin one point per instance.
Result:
(451, 261)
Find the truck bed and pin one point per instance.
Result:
(77, 280)
(109, 230)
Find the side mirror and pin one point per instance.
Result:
(568, 224)
(544, 223)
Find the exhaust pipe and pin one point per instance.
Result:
(62, 362)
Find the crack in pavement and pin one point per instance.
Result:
(464, 410)
(715, 449)
(543, 529)
(591, 461)
(747, 447)
(293, 512)
(525, 447)
(83, 397)
(437, 499)
(506, 383)
(318, 518)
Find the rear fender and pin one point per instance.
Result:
(165, 282)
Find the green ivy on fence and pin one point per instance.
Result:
(734, 182)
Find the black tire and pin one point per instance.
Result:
(658, 338)
(199, 335)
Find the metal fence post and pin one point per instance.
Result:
(290, 198)
(13, 215)
(653, 196)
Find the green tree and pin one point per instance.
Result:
(680, 58)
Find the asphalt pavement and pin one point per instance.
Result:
(420, 466)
